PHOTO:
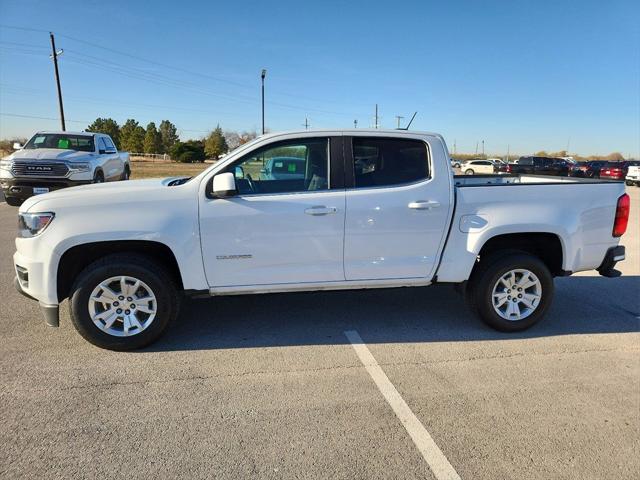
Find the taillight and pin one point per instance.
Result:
(622, 216)
(508, 169)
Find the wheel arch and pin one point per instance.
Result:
(546, 246)
(78, 257)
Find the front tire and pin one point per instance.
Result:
(98, 177)
(510, 291)
(13, 201)
(126, 174)
(469, 172)
(123, 302)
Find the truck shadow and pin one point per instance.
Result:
(583, 305)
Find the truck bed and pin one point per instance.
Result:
(580, 214)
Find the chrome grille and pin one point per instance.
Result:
(39, 169)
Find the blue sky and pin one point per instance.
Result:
(529, 74)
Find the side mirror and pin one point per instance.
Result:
(224, 185)
(17, 146)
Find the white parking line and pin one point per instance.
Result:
(434, 457)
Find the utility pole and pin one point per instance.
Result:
(454, 147)
(375, 125)
(355, 123)
(306, 123)
(262, 75)
(476, 147)
(398, 118)
(54, 55)
(508, 156)
(482, 147)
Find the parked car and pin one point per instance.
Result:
(473, 167)
(633, 176)
(589, 169)
(455, 163)
(613, 171)
(541, 166)
(502, 168)
(616, 170)
(401, 221)
(53, 160)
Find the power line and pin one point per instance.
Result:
(19, 115)
(191, 73)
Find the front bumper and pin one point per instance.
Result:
(613, 256)
(22, 188)
(51, 312)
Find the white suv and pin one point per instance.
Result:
(478, 166)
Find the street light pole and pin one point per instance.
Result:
(262, 75)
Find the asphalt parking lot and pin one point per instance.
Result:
(269, 386)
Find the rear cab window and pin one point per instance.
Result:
(379, 161)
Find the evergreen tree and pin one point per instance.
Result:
(107, 126)
(152, 139)
(132, 136)
(169, 135)
(215, 144)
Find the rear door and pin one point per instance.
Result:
(396, 213)
(108, 162)
(116, 163)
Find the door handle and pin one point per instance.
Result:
(320, 210)
(424, 204)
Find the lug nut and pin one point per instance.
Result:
(515, 299)
(509, 297)
(115, 304)
(519, 295)
(133, 306)
(119, 311)
(120, 297)
(127, 312)
(129, 299)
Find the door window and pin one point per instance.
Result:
(388, 161)
(285, 167)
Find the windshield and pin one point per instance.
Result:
(61, 141)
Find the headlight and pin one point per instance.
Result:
(79, 167)
(6, 165)
(32, 224)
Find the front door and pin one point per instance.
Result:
(396, 214)
(286, 223)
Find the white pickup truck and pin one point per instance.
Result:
(53, 160)
(360, 209)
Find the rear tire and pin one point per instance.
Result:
(139, 329)
(126, 174)
(469, 172)
(489, 284)
(13, 201)
(98, 177)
